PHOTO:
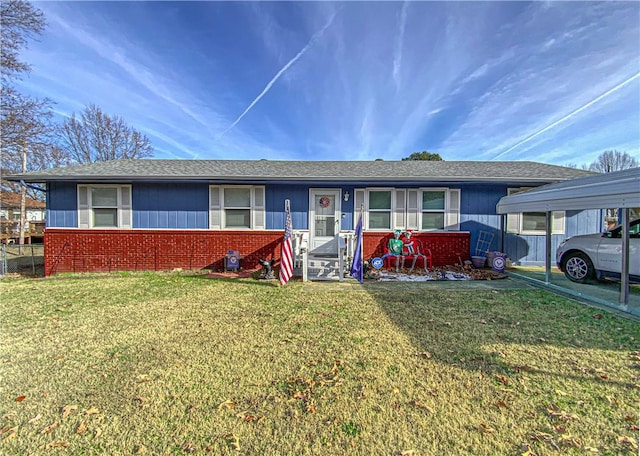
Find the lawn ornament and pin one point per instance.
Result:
(394, 248)
(267, 269)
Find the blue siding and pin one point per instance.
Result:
(186, 206)
(299, 196)
(170, 206)
(62, 205)
(529, 250)
(478, 212)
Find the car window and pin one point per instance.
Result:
(634, 230)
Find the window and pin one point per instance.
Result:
(380, 209)
(104, 206)
(236, 207)
(433, 209)
(413, 208)
(533, 223)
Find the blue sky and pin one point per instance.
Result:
(555, 82)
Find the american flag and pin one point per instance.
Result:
(286, 258)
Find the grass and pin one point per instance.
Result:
(136, 363)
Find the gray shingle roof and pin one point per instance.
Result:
(248, 170)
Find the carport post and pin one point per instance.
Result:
(547, 249)
(624, 273)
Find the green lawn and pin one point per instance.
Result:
(172, 363)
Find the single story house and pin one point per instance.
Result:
(165, 214)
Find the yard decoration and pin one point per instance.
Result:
(267, 269)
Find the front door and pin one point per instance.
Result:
(324, 220)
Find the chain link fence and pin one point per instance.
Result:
(27, 260)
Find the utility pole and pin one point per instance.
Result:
(23, 192)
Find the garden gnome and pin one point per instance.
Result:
(394, 247)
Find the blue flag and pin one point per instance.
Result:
(357, 268)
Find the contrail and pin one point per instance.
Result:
(397, 55)
(311, 42)
(571, 114)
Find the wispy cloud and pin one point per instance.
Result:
(397, 54)
(569, 116)
(273, 80)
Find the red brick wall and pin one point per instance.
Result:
(445, 246)
(75, 250)
(132, 250)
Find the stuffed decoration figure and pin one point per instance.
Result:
(394, 247)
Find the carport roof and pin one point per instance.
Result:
(620, 189)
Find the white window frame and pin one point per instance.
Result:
(217, 210)
(404, 217)
(86, 207)
(422, 210)
(391, 210)
(515, 221)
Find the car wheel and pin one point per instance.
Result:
(578, 267)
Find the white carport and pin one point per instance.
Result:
(620, 189)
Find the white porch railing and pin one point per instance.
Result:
(302, 258)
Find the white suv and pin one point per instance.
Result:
(599, 255)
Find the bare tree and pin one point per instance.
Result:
(24, 121)
(608, 162)
(19, 21)
(96, 136)
(613, 160)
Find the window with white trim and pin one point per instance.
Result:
(533, 223)
(104, 206)
(234, 207)
(414, 208)
(380, 209)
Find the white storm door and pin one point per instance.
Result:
(324, 220)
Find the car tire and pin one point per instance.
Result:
(578, 267)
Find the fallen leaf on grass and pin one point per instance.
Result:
(597, 316)
(34, 419)
(233, 441)
(563, 416)
(21, 398)
(49, 428)
(8, 433)
(97, 432)
(143, 378)
(67, 409)
(189, 446)
(569, 441)
(140, 400)
(57, 444)
(82, 428)
(91, 411)
(419, 404)
(228, 404)
(487, 429)
(139, 449)
(539, 436)
(624, 440)
(426, 355)
(502, 379)
(501, 403)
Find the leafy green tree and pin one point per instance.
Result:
(424, 155)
